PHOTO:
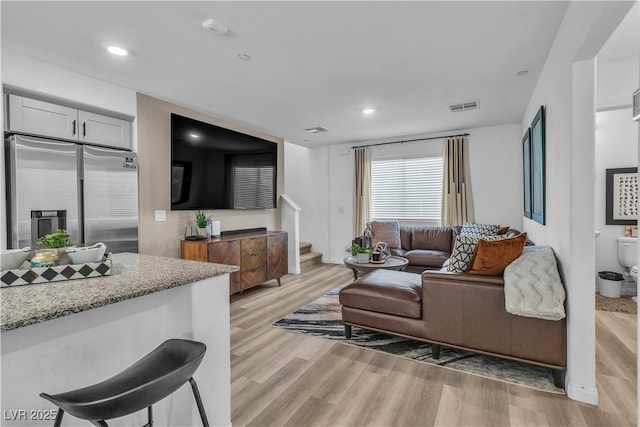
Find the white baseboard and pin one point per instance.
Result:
(582, 394)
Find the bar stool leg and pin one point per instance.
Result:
(59, 415)
(196, 394)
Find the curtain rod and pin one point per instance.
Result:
(409, 140)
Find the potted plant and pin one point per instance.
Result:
(58, 242)
(201, 222)
(361, 254)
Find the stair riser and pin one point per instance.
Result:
(307, 261)
(305, 249)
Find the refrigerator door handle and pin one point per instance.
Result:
(81, 232)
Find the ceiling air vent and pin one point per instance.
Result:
(317, 129)
(464, 106)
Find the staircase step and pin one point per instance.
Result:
(310, 259)
(305, 248)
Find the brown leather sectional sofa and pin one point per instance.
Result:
(459, 310)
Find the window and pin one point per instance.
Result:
(407, 188)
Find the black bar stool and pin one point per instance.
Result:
(149, 380)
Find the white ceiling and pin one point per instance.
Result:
(313, 63)
(624, 43)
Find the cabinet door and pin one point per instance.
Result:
(227, 252)
(104, 130)
(41, 118)
(195, 251)
(277, 255)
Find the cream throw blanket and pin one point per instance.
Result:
(532, 285)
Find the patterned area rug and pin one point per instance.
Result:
(322, 318)
(623, 304)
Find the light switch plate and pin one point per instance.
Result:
(161, 215)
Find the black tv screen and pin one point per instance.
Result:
(217, 168)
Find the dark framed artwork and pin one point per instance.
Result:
(622, 196)
(538, 167)
(526, 172)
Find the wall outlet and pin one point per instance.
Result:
(161, 215)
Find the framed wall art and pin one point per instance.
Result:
(526, 172)
(538, 167)
(622, 196)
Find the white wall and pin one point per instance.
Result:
(616, 82)
(328, 203)
(496, 171)
(38, 76)
(300, 185)
(616, 147)
(566, 87)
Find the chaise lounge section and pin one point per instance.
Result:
(460, 310)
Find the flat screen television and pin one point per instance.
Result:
(217, 168)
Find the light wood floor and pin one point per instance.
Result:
(281, 378)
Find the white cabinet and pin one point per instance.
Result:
(42, 118)
(104, 130)
(32, 116)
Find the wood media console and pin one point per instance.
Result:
(261, 256)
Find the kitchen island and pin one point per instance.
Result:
(64, 335)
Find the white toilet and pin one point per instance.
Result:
(628, 258)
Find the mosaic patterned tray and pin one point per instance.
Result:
(31, 276)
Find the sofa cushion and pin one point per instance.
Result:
(472, 229)
(405, 237)
(432, 238)
(385, 291)
(427, 257)
(492, 257)
(398, 251)
(464, 249)
(387, 231)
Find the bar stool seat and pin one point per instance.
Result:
(149, 380)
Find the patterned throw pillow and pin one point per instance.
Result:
(471, 229)
(464, 248)
(387, 231)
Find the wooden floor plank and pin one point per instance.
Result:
(283, 378)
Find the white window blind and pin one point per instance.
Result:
(406, 188)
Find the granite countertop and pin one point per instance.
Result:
(132, 275)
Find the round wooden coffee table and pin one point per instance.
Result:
(391, 263)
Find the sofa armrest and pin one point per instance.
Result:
(467, 278)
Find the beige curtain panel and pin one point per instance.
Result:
(363, 189)
(457, 200)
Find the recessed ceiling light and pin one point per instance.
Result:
(194, 135)
(368, 111)
(244, 57)
(522, 73)
(215, 26)
(317, 129)
(117, 50)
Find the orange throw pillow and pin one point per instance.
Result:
(492, 257)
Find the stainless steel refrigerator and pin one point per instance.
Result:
(92, 192)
